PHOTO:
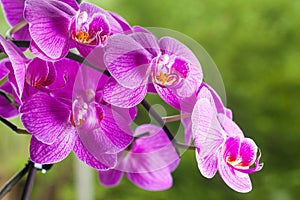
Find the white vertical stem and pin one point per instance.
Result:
(84, 181)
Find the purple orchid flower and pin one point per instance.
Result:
(149, 162)
(56, 26)
(221, 145)
(137, 61)
(58, 124)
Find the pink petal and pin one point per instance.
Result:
(207, 165)
(45, 117)
(18, 62)
(148, 41)
(229, 126)
(238, 181)
(152, 181)
(103, 162)
(37, 72)
(118, 95)
(48, 26)
(110, 178)
(151, 152)
(205, 127)
(13, 11)
(127, 61)
(47, 154)
(172, 46)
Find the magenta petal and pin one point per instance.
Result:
(127, 61)
(153, 181)
(230, 127)
(13, 11)
(110, 178)
(47, 154)
(171, 97)
(118, 95)
(104, 162)
(45, 117)
(37, 72)
(232, 148)
(107, 135)
(148, 41)
(238, 181)
(125, 26)
(18, 61)
(6, 109)
(152, 152)
(48, 26)
(172, 46)
(247, 152)
(92, 9)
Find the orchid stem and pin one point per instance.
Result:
(29, 182)
(175, 118)
(158, 118)
(184, 146)
(13, 127)
(14, 29)
(13, 181)
(9, 98)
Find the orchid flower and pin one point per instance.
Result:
(56, 26)
(149, 162)
(221, 145)
(139, 63)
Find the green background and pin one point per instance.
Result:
(256, 46)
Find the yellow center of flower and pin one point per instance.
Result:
(82, 37)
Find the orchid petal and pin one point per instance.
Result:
(117, 95)
(47, 154)
(48, 26)
(229, 126)
(238, 181)
(45, 117)
(18, 62)
(127, 61)
(207, 165)
(103, 162)
(110, 178)
(13, 11)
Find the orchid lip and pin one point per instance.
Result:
(169, 70)
(85, 32)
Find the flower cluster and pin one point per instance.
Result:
(88, 106)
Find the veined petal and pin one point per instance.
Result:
(207, 165)
(153, 181)
(13, 11)
(117, 95)
(123, 23)
(205, 127)
(110, 178)
(172, 46)
(238, 181)
(48, 26)
(151, 152)
(45, 117)
(18, 63)
(148, 41)
(47, 154)
(127, 61)
(229, 126)
(7, 110)
(103, 162)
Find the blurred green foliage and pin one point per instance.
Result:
(256, 46)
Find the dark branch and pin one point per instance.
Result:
(29, 182)
(13, 127)
(13, 181)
